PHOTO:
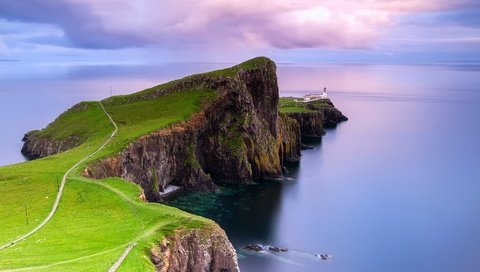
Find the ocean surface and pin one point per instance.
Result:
(395, 188)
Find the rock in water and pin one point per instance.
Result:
(277, 249)
(253, 247)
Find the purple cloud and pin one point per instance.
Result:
(243, 23)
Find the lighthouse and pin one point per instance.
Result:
(324, 93)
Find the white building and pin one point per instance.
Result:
(313, 97)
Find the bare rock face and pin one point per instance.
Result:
(35, 147)
(331, 115)
(198, 250)
(313, 124)
(38, 145)
(166, 157)
(289, 139)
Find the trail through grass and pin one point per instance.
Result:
(95, 220)
(61, 186)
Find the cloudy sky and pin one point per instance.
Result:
(231, 30)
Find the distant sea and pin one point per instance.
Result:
(395, 188)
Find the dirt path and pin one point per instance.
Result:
(117, 264)
(141, 236)
(127, 250)
(62, 185)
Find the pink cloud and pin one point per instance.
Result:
(252, 23)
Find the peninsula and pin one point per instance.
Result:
(119, 155)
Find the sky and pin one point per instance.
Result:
(159, 31)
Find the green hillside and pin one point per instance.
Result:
(96, 219)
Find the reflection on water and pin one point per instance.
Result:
(227, 206)
(395, 188)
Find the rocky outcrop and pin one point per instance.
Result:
(321, 116)
(43, 143)
(35, 146)
(197, 250)
(311, 123)
(331, 115)
(289, 139)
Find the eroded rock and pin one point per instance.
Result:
(198, 250)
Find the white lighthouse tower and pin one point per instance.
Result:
(324, 93)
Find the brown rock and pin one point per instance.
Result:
(198, 250)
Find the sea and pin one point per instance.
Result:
(395, 188)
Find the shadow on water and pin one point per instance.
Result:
(312, 141)
(247, 212)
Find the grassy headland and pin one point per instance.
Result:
(95, 220)
(288, 104)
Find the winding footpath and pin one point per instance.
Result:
(62, 185)
(117, 264)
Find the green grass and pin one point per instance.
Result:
(228, 72)
(288, 104)
(247, 65)
(84, 120)
(96, 220)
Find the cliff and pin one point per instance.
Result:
(313, 117)
(197, 250)
(238, 137)
(239, 134)
(35, 146)
(289, 139)
(331, 115)
(60, 135)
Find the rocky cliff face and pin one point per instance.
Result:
(198, 250)
(313, 124)
(37, 144)
(238, 137)
(35, 147)
(289, 139)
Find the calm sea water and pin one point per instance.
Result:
(396, 188)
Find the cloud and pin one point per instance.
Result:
(214, 23)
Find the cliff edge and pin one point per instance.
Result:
(237, 137)
(197, 250)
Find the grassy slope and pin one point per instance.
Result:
(96, 220)
(288, 104)
(91, 219)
